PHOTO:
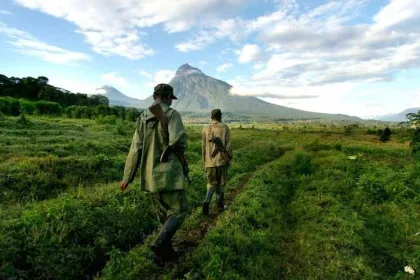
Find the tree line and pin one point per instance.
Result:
(35, 89)
(35, 96)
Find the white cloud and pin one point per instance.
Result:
(317, 52)
(199, 42)
(115, 79)
(146, 74)
(399, 14)
(159, 77)
(213, 31)
(72, 83)
(117, 27)
(29, 45)
(123, 43)
(164, 76)
(249, 53)
(224, 67)
(4, 12)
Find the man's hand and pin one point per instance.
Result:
(123, 185)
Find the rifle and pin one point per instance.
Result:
(171, 149)
(219, 148)
(156, 110)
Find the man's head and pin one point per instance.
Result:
(164, 93)
(216, 114)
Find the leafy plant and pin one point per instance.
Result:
(385, 135)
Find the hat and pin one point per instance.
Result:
(216, 112)
(164, 90)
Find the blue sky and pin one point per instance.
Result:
(357, 57)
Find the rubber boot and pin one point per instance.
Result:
(162, 246)
(220, 197)
(206, 202)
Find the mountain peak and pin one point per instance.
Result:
(186, 69)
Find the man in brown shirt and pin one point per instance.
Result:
(216, 154)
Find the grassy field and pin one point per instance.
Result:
(304, 202)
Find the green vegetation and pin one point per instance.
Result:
(35, 89)
(305, 201)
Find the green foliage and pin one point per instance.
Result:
(415, 143)
(385, 135)
(23, 121)
(348, 129)
(132, 114)
(106, 120)
(303, 164)
(318, 205)
(38, 89)
(26, 106)
(121, 129)
(9, 106)
(413, 117)
(70, 237)
(48, 108)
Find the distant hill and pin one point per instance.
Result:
(400, 117)
(198, 92)
(118, 98)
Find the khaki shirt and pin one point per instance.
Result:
(222, 131)
(149, 141)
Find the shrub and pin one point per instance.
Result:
(120, 130)
(303, 164)
(132, 114)
(9, 106)
(385, 135)
(415, 144)
(48, 108)
(70, 237)
(348, 129)
(26, 106)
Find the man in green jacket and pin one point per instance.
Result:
(165, 181)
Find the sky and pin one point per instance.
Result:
(354, 57)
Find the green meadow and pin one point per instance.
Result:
(305, 201)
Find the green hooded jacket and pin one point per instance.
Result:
(149, 141)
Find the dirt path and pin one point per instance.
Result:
(192, 237)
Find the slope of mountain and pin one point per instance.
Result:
(400, 117)
(198, 92)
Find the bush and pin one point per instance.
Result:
(9, 106)
(71, 236)
(415, 144)
(132, 114)
(48, 108)
(120, 130)
(303, 164)
(26, 106)
(385, 135)
(348, 129)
